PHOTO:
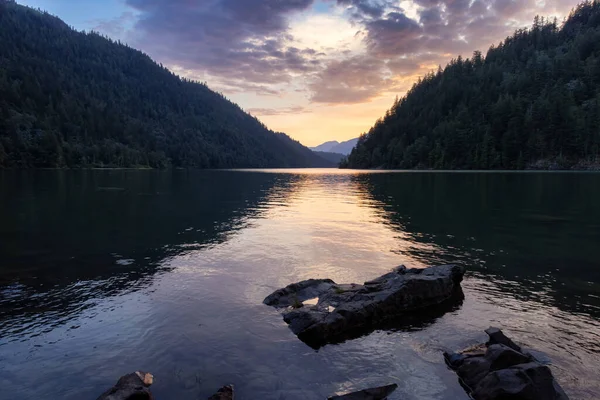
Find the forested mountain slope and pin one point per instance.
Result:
(532, 102)
(335, 158)
(70, 99)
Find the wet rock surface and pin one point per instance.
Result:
(350, 310)
(130, 387)
(378, 393)
(501, 370)
(225, 393)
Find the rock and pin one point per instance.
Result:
(500, 357)
(130, 387)
(299, 320)
(348, 310)
(497, 371)
(298, 292)
(455, 360)
(531, 381)
(379, 393)
(225, 393)
(497, 337)
(473, 370)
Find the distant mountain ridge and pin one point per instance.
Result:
(76, 99)
(336, 147)
(327, 146)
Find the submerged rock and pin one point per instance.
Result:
(225, 393)
(130, 387)
(344, 311)
(501, 370)
(379, 393)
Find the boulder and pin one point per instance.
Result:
(378, 393)
(225, 393)
(531, 381)
(130, 387)
(344, 311)
(500, 370)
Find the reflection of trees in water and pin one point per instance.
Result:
(69, 237)
(539, 230)
(63, 232)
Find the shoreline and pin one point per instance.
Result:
(381, 170)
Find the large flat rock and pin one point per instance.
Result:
(322, 311)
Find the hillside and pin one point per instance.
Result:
(335, 158)
(532, 102)
(73, 99)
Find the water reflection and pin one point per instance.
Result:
(110, 271)
(531, 234)
(69, 238)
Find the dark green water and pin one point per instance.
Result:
(106, 272)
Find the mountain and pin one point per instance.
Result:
(532, 102)
(73, 99)
(345, 147)
(335, 158)
(327, 146)
(336, 147)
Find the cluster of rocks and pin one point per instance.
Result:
(321, 311)
(135, 387)
(500, 369)
(342, 311)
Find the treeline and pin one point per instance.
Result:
(532, 102)
(73, 99)
(335, 158)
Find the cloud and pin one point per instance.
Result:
(358, 51)
(398, 46)
(394, 35)
(367, 8)
(352, 80)
(116, 28)
(278, 111)
(238, 41)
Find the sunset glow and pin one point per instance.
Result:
(317, 70)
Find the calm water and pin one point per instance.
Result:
(106, 272)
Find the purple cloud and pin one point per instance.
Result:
(245, 45)
(398, 45)
(238, 41)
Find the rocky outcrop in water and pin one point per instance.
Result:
(130, 387)
(225, 393)
(378, 393)
(349, 310)
(501, 370)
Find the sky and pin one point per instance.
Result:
(317, 70)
